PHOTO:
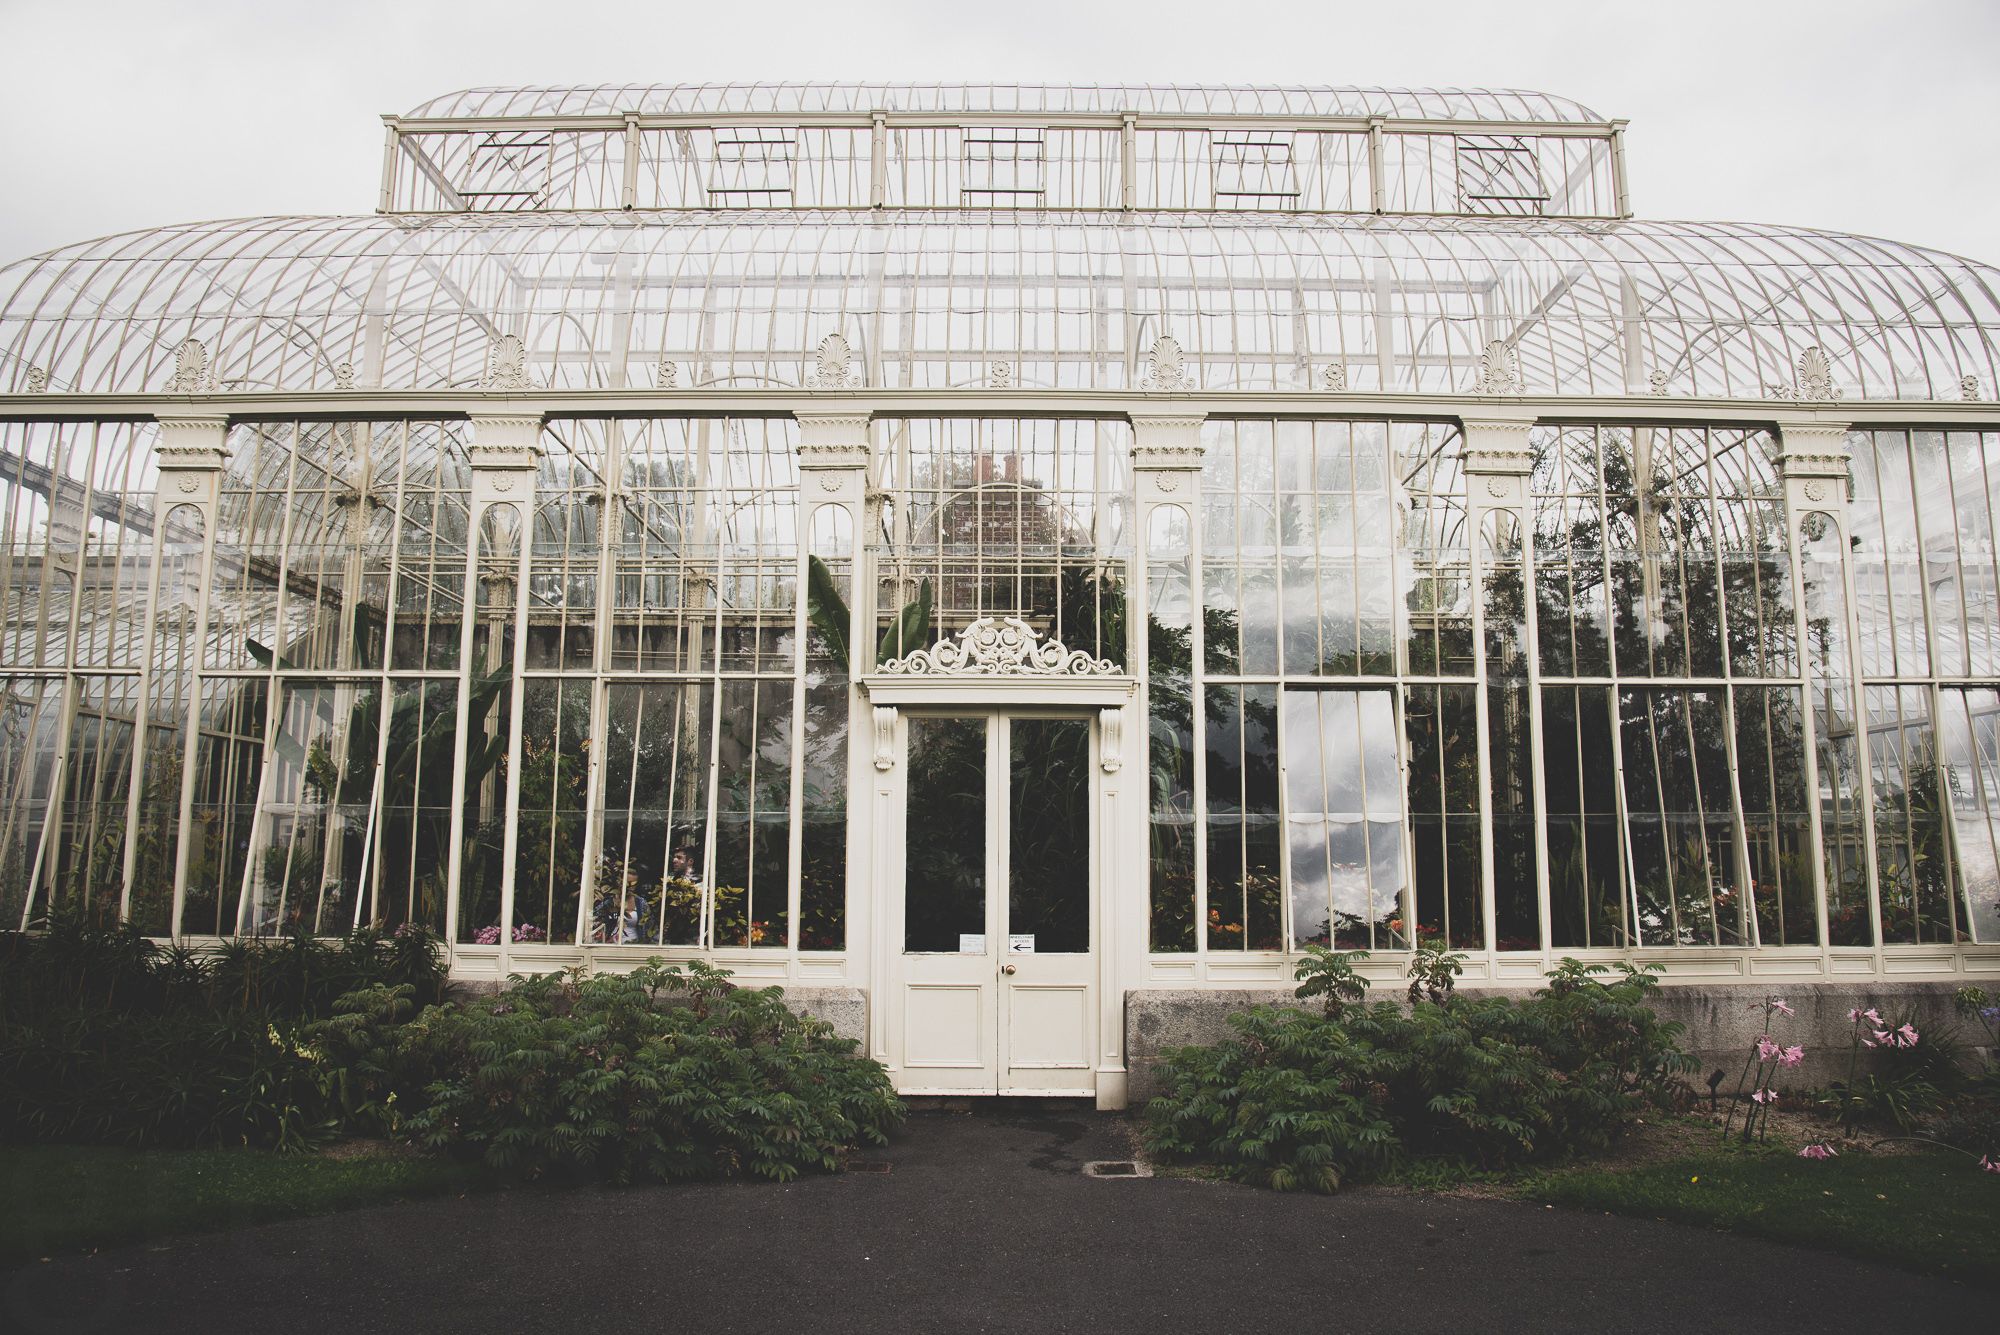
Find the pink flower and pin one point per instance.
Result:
(1766, 1049)
(1854, 1017)
(487, 936)
(1881, 1039)
(1872, 1016)
(1792, 1056)
(1819, 1149)
(1765, 1096)
(1989, 1165)
(1908, 1035)
(1779, 1006)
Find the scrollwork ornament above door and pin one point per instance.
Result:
(999, 647)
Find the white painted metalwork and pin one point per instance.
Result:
(1422, 550)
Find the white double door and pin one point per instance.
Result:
(992, 917)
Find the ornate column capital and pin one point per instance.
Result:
(1497, 458)
(1814, 461)
(833, 453)
(1498, 445)
(505, 440)
(191, 453)
(833, 440)
(504, 450)
(1813, 449)
(1166, 447)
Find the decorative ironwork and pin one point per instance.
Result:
(1657, 382)
(38, 380)
(343, 376)
(1333, 379)
(1968, 388)
(999, 647)
(1000, 375)
(190, 369)
(1498, 373)
(669, 375)
(832, 362)
(1167, 368)
(1816, 377)
(507, 364)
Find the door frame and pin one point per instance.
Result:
(1109, 698)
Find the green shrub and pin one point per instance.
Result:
(175, 1081)
(75, 965)
(662, 1074)
(1302, 1100)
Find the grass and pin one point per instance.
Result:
(1934, 1213)
(68, 1198)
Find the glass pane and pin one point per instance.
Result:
(1048, 891)
(944, 877)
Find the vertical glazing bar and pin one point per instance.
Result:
(1377, 188)
(1618, 179)
(878, 160)
(628, 190)
(1128, 161)
(392, 147)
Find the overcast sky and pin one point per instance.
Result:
(1875, 117)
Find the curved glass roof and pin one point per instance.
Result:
(933, 299)
(1472, 104)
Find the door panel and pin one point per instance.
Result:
(945, 929)
(997, 992)
(1048, 978)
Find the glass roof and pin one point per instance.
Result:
(1474, 104)
(934, 299)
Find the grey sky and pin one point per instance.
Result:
(1874, 117)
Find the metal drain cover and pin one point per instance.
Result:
(1116, 1168)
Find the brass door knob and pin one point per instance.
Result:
(1007, 968)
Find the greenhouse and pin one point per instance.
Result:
(1007, 562)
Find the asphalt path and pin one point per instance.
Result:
(983, 1223)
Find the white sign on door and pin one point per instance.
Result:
(1021, 943)
(972, 943)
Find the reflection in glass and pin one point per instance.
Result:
(1680, 818)
(1509, 735)
(1344, 819)
(1003, 518)
(1843, 844)
(1969, 736)
(1912, 860)
(1441, 728)
(1777, 817)
(652, 834)
(1588, 906)
(1049, 814)
(1170, 731)
(944, 850)
(1245, 911)
(823, 802)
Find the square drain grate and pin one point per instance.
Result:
(1116, 1168)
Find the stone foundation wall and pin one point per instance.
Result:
(1721, 1022)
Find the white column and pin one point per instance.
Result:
(833, 455)
(191, 453)
(1813, 460)
(1166, 471)
(503, 453)
(1498, 463)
